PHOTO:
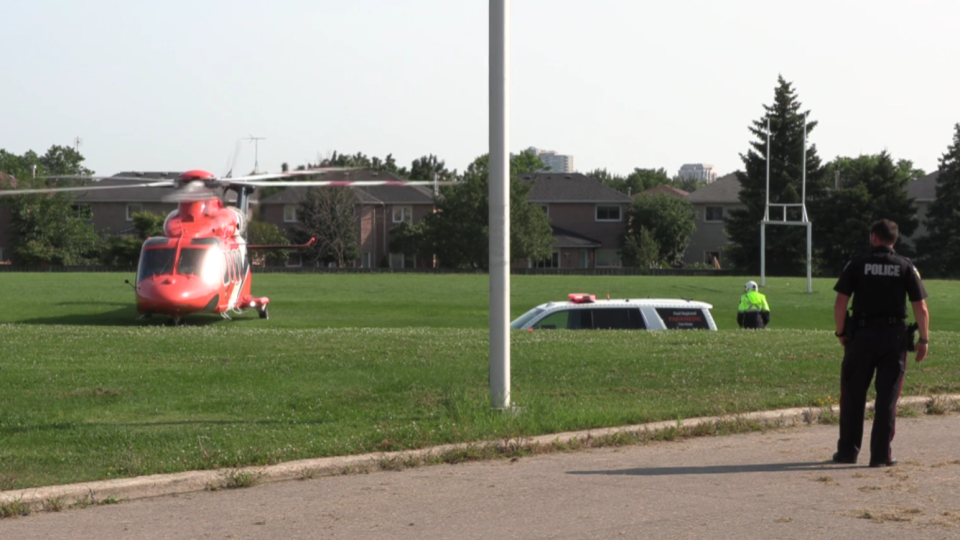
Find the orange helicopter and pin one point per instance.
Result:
(201, 264)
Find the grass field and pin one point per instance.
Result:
(359, 363)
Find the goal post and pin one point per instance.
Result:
(804, 218)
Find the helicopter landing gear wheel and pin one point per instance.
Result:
(264, 314)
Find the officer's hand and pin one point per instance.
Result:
(921, 351)
(843, 341)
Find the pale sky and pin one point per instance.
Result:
(172, 85)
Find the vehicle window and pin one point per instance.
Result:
(525, 318)
(617, 319)
(191, 261)
(683, 318)
(154, 262)
(553, 321)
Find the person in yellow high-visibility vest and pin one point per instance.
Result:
(754, 311)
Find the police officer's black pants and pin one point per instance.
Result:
(881, 350)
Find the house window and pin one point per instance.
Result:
(608, 258)
(714, 213)
(545, 208)
(133, 209)
(608, 213)
(552, 262)
(290, 213)
(584, 258)
(366, 260)
(402, 213)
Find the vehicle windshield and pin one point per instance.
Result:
(520, 321)
(191, 260)
(155, 262)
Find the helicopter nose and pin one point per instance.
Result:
(174, 295)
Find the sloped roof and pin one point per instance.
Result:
(924, 188)
(570, 239)
(131, 195)
(570, 188)
(665, 189)
(725, 190)
(365, 194)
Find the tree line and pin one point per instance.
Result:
(843, 197)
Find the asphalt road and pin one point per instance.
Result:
(777, 484)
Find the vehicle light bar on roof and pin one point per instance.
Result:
(582, 298)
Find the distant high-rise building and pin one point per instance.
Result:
(703, 172)
(555, 162)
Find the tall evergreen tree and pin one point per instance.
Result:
(786, 245)
(939, 251)
(870, 188)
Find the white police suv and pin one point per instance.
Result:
(584, 311)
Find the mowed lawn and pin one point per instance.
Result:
(359, 363)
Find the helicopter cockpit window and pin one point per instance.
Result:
(204, 262)
(154, 262)
(191, 261)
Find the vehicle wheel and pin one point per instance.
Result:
(264, 314)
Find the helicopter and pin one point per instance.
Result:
(201, 263)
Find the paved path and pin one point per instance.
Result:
(762, 485)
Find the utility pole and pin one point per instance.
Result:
(499, 80)
(256, 141)
(77, 141)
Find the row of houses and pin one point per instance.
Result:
(588, 219)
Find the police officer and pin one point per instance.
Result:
(754, 311)
(876, 340)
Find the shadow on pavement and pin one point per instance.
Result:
(722, 469)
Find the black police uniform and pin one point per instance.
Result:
(879, 282)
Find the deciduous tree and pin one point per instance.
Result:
(327, 214)
(668, 220)
(871, 187)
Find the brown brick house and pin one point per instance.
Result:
(588, 219)
(112, 210)
(379, 209)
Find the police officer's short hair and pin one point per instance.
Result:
(886, 230)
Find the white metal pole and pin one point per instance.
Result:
(766, 209)
(766, 217)
(803, 196)
(809, 258)
(803, 208)
(499, 204)
(763, 254)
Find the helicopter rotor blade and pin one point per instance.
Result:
(290, 174)
(15, 192)
(344, 183)
(120, 178)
